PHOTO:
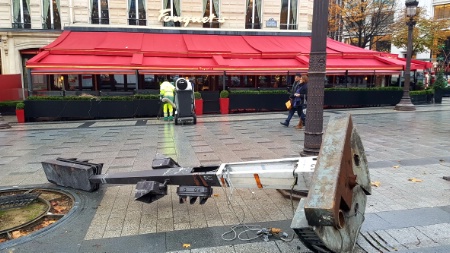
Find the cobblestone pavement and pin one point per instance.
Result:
(401, 214)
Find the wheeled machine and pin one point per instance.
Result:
(184, 100)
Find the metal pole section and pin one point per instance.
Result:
(224, 79)
(316, 72)
(137, 82)
(30, 84)
(405, 103)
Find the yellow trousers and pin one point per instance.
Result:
(167, 109)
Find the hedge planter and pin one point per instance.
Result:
(421, 99)
(90, 109)
(273, 102)
(147, 108)
(116, 109)
(198, 107)
(243, 102)
(8, 109)
(224, 105)
(20, 114)
(355, 98)
(61, 109)
(438, 93)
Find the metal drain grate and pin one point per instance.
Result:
(17, 200)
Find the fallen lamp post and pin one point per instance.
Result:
(327, 220)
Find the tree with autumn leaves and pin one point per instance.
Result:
(428, 33)
(363, 21)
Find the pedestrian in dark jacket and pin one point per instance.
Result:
(298, 99)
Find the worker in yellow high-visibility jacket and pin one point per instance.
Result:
(166, 92)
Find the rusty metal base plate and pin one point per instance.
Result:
(328, 238)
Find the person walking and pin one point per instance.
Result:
(298, 98)
(167, 93)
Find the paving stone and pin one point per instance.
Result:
(262, 247)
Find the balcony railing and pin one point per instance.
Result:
(288, 27)
(253, 25)
(103, 21)
(133, 21)
(56, 26)
(21, 25)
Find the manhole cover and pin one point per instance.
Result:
(23, 212)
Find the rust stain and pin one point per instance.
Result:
(258, 181)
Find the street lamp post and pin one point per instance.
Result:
(317, 74)
(405, 103)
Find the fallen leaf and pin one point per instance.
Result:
(376, 183)
(186, 245)
(16, 234)
(216, 195)
(415, 180)
(396, 167)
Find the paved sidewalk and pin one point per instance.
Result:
(401, 214)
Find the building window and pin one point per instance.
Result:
(52, 18)
(21, 14)
(253, 16)
(211, 7)
(174, 11)
(136, 12)
(99, 12)
(442, 11)
(288, 16)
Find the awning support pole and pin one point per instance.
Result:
(30, 84)
(288, 81)
(137, 81)
(346, 78)
(224, 79)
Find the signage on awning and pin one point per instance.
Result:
(164, 16)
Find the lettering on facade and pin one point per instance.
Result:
(164, 16)
(205, 68)
(271, 23)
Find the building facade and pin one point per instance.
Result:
(27, 25)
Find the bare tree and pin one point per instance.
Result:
(364, 22)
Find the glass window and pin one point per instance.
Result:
(52, 19)
(288, 16)
(99, 12)
(136, 12)
(21, 14)
(39, 82)
(174, 8)
(253, 16)
(58, 82)
(73, 82)
(211, 7)
(86, 82)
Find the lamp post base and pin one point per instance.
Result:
(309, 152)
(405, 105)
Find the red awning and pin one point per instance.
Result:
(192, 53)
(81, 71)
(415, 64)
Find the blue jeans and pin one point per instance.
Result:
(300, 113)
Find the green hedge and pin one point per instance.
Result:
(103, 98)
(256, 92)
(20, 106)
(389, 88)
(421, 92)
(9, 103)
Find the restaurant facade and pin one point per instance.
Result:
(108, 46)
